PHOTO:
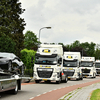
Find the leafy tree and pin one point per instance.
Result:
(10, 22)
(97, 51)
(31, 41)
(75, 44)
(89, 48)
(7, 44)
(79, 49)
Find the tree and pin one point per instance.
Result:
(31, 41)
(10, 22)
(97, 51)
(89, 48)
(76, 44)
(7, 44)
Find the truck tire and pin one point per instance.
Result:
(66, 79)
(81, 77)
(58, 82)
(37, 81)
(94, 75)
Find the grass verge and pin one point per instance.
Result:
(95, 95)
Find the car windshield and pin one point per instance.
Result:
(67, 63)
(46, 60)
(86, 64)
(97, 65)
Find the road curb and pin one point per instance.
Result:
(83, 93)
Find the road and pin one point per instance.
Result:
(30, 91)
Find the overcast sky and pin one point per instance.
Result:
(70, 20)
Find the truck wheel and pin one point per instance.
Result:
(58, 82)
(94, 75)
(77, 79)
(15, 91)
(66, 79)
(81, 77)
(37, 81)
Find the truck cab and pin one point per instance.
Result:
(88, 67)
(71, 61)
(97, 66)
(48, 64)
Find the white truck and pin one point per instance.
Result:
(97, 66)
(71, 61)
(88, 67)
(48, 64)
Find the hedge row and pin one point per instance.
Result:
(28, 58)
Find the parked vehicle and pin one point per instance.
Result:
(9, 80)
(97, 66)
(15, 61)
(48, 64)
(71, 61)
(88, 67)
(16, 65)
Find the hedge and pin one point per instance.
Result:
(28, 58)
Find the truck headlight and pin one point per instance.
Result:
(54, 75)
(91, 72)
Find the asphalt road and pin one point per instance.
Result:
(30, 91)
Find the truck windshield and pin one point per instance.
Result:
(86, 64)
(97, 65)
(67, 63)
(46, 60)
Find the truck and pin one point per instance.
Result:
(48, 64)
(71, 62)
(97, 66)
(9, 80)
(88, 67)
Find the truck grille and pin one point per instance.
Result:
(86, 70)
(69, 72)
(45, 73)
(98, 71)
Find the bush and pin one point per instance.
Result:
(28, 72)
(28, 58)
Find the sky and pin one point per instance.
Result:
(70, 20)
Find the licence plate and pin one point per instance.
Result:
(44, 79)
(85, 75)
(68, 77)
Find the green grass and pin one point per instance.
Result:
(95, 95)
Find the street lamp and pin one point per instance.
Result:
(41, 29)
